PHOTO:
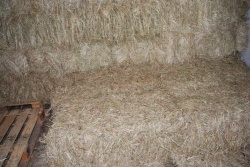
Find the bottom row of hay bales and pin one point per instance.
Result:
(176, 47)
(194, 114)
(41, 66)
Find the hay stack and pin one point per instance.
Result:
(60, 37)
(179, 29)
(152, 116)
(146, 115)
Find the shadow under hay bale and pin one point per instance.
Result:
(149, 115)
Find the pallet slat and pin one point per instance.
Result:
(33, 140)
(36, 104)
(21, 145)
(3, 110)
(3, 113)
(10, 139)
(1, 118)
(7, 123)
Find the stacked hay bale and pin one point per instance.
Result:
(59, 37)
(191, 115)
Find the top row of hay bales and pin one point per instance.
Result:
(74, 35)
(29, 23)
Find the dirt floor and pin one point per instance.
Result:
(194, 114)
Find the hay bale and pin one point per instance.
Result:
(94, 56)
(86, 21)
(149, 115)
(14, 63)
(23, 89)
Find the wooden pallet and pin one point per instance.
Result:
(35, 104)
(19, 132)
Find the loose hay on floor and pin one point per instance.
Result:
(149, 115)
